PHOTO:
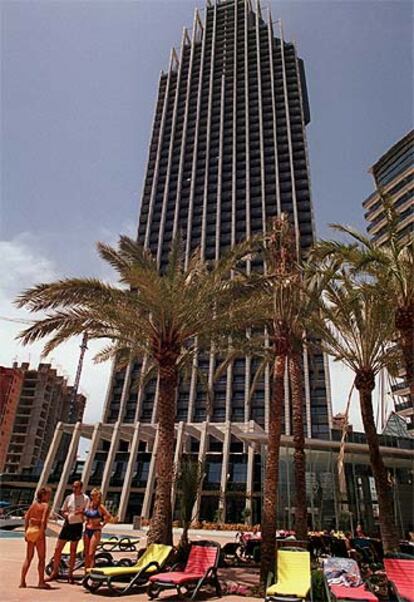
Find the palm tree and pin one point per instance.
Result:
(191, 474)
(284, 305)
(356, 327)
(299, 458)
(152, 314)
(392, 267)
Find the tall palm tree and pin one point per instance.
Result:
(152, 314)
(392, 267)
(284, 304)
(356, 328)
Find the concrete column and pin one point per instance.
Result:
(177, 457)
(249, 481)
(126, 488)
(53, 449)
(125, 391)
(110, 459)
(146, 505)
(87, 469)
(201, 458)
(224, 471)
(307, 393)
(72, 451)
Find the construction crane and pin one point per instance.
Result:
(83, 348)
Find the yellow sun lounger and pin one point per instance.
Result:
(293, 577)
(152, 560)
(79, 548)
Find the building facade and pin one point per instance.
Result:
(331, 502)
(11, 380)
(44, 400)
(227, 152)
(393, 174)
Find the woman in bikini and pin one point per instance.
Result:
(35, 522)
(97, 516)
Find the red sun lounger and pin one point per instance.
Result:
(200, 570)
(343, 581)
(401, 574)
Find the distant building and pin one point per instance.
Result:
(393, 175)
(44, 400)
(11, 380)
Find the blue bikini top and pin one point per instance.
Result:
(92, 513)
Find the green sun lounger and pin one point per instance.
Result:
(121, 579)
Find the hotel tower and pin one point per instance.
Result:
(227, 152)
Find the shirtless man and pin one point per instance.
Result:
(35, 522)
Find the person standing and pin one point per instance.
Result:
(72, 510)
(97, 516)
(35, 522)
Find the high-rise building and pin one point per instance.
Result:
(393, 175)
(44, 399)
(228, 151)
(11, 380)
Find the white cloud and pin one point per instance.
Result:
(341, 383)
(23, 266)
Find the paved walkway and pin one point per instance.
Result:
(12, 552)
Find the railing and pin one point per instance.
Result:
(15, 511)
(404, 405)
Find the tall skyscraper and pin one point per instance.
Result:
(393, 175)
(228, 151)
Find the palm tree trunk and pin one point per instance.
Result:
(268, 525)
(365, 384)
(299, 458)
(160, 530)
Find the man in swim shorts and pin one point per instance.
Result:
(72, 510)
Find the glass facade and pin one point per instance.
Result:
(227, 152)
(332, 502)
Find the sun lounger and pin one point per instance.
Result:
(121, 579)
(343, 581)
(200, 570)
(400, 573)
(293, 577)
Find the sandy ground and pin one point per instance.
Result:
(12, 552)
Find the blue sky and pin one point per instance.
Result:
(78, 89)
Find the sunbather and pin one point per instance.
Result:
(35, 522)
(97, 516)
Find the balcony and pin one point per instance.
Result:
(403, 405)
(400, 389)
